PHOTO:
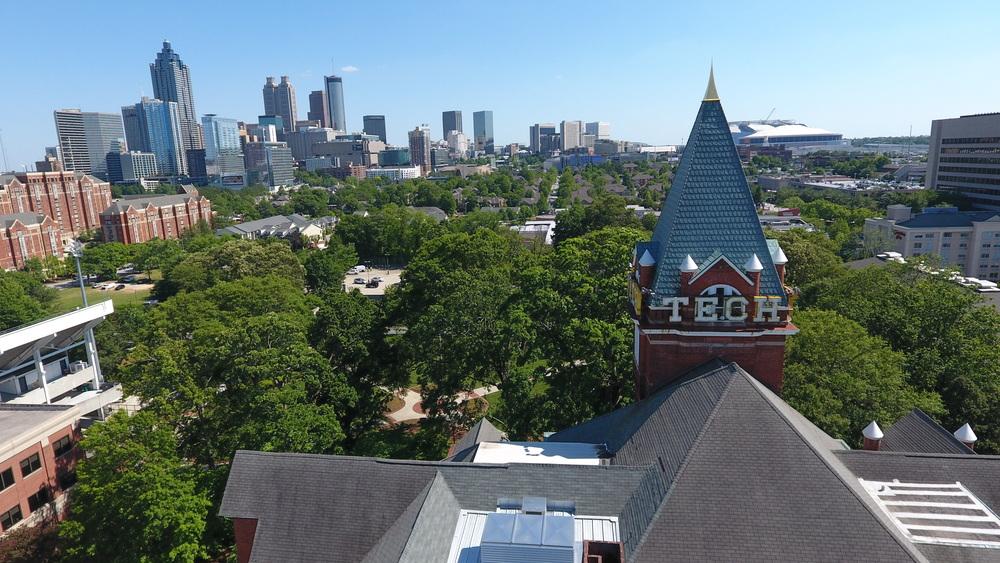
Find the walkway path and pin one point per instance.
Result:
(412, 409)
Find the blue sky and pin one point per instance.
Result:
(860, 68)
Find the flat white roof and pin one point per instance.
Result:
(556, 453)
(787, 131)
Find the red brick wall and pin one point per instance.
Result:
(167, 222)
(244, 530)
(73, 203)
(46, 476)
(37, 243)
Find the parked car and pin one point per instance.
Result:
(352, 271)
(360, 268)
(359, 281)
(119, 286)
(372, 283)
(378, 279)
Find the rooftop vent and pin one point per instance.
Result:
(943, 514)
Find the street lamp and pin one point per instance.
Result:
(75, 249)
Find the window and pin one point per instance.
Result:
(30, 465)
(11, 517)
(918, 245)
(946, 235)
(946, 245)
(67, 480)
(38, 499)
(62, 445)
(6, 478)
(986, 255)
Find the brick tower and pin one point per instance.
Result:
(709, 285)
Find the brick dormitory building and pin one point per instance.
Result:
(136, 219)
(709, 464)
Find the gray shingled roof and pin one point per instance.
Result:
(714, 467)
(710, 209)
(141, 201)
(26, 218)
(482, 431)
(918, 433)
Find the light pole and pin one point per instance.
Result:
(75, 249)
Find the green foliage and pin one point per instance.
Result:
(231, 260)
(326, 268)
(393, 232)
(136, 499)
(309, 202)
(249, 203)
(18, 302)
(606, 211)
(811, 256)
(104, 260)
(157, 254)
(841, 378)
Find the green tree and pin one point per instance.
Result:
(841, 378)
(105, 259)
(17, 305)
(136, 499)
(327, 267)
(156, 254)
(811, 256)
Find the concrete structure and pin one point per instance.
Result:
(395, 173)
(458, 144)
(292, 227)
(49, 164)
(569, 134)
(279, 99)
(599, 129)
(156, 126)
(334, 88)
(420, 147)
(270, 164)
(38, 456)
(24, 236)
(375, 125)
(85, 138)
(135, 219)
(785, 223)
(74, 200)
(537, 231)
(172, 83)
(319, 109)
(482, 129)
(301, 141)
(969, 241)
(964, 157)
(132, 166)
(350, 149)
(450, 121)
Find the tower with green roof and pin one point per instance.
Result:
(709, 284)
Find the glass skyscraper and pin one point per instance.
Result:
(375, 125)
(223, 153)
(86, 138)
(334, 86)
(157, 124)
(172, 83)
(482, 128)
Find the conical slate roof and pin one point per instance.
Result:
(710, 209)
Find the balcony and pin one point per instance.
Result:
(60, 385)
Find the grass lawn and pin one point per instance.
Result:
(68, 299)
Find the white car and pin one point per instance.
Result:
(360, 268)
(352, 271)
(378, 279)
(359, 281)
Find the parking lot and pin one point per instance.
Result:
(389, 277)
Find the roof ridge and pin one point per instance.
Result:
(687, 455)
(941, 429)
(851, 485)
(921, 454)
(422, 498)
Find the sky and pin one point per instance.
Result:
(858, 68)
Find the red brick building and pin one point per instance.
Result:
(709, 285)
(134, 220)
(24, 236)
(38, 455)
(74, 200)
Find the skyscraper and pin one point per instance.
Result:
(279, 99)
(334, 87)
(541, 137)
(86, 138)
(420, 147)
(963, 159)
(223, 152)
(570, 131)
(319, 110)
(157, 124)
(450, 121)
(482, 129)
(172, 83)
(599, 129)
(375, 125)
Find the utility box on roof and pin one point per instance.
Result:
(535, 538)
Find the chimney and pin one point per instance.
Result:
(754, 268)
(688, 268)
(873, 437)
(966, 436)
(647, 267)
(779, 259)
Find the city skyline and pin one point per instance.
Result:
(805, 72)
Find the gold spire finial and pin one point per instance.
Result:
(710, 93)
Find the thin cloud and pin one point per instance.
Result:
(349, 68)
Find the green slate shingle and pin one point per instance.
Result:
(710, 209)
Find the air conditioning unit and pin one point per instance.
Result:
(77, 367)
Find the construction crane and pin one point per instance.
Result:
(768, 115)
